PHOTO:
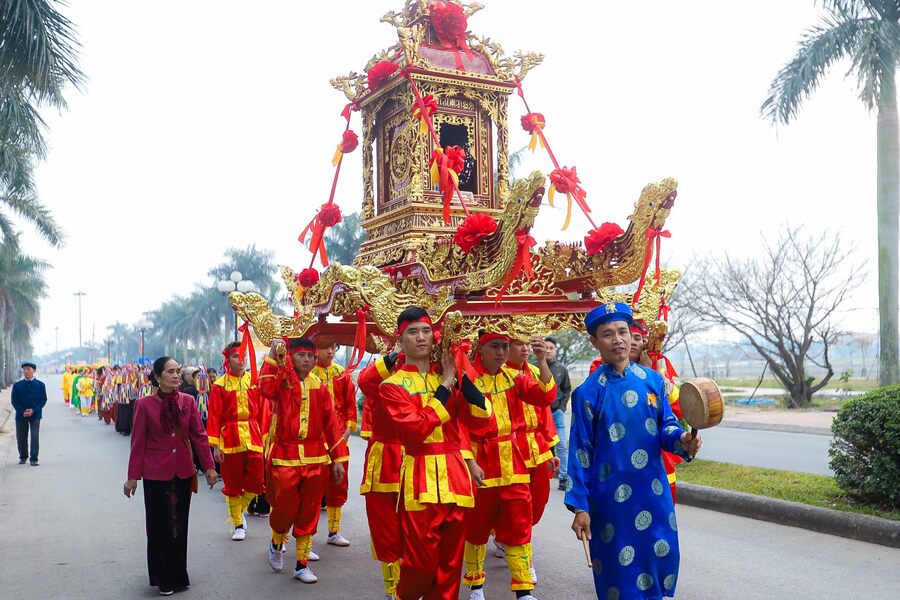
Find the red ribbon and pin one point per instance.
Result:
(671, 374)
(247, 345)
(359, 341)
(652, 234)
(663, 309)
(460, 352)
(523, 260)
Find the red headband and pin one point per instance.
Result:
(301, 348)
(639, 327)
(486, 338)
(405, 324)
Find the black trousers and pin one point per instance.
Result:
(22, 428)
(124, 416)
(167, 505)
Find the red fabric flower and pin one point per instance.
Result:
(379, 72)
(329, 215)
(349, 142)
(308, 277)
(449, 22)
(456, 158)
(533, 121)
(601, 237)
(431, 107)
(475, 227)
(565, 180)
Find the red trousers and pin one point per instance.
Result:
(243, 472)
(384, 525)
(336, 492)
(506, 510)
(540, 491)
(433, 541)
(295, 494)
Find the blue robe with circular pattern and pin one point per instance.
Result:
(619, 425)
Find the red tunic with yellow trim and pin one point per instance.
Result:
(433, 470)
(237, 415)
(540, 430)
(305, 427)
(494, 437)
(384, 452)
(342, 391)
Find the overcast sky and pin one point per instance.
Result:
(208, 124)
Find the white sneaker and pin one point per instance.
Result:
(276, 561)
(239, 534)
(476, 594)
(313, 557)
(283, 547)
(533, 574)
(499, 549)
(305, 575)
(528, 597)
(338, 540)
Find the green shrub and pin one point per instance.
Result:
(865, 452)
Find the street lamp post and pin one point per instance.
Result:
(234, 282)
(142, 327)
(80, 294)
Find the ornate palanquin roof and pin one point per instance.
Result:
(411, 255)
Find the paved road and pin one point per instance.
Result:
(804, 452)
(70, 534)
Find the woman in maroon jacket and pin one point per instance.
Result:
(166, 427)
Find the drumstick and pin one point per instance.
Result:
(693, 433)
(587, 553)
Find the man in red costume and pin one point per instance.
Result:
(538, 439)
(435, 482)
(504, 503)
(307, 439)
(381, 471)
(235, 424)
(343, 393)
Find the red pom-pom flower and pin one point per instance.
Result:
(600, 238)
(450, 24)
(329, 215)
(565, 181)
(533, 123)
(475, 228)
(446, 165)
(349, 142)
(379, 72)
(308, 278)
(431, 107)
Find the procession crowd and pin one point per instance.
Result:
(460, 453)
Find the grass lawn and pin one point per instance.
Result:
(854, 385)
(815, 490)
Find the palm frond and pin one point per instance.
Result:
(875, 58)
(820, 47)
(8, 234)
(16, 170)
(38, 215)
(39, 48)
(21, 124)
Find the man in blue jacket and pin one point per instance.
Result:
(28, 399)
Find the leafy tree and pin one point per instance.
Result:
(22, 286)
(867, 32)
(344, 239)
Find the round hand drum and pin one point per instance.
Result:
(701, 403)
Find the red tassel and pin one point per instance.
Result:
(460, 352)
(652, 234)
(523, 260)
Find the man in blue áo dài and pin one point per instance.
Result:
(616, 483)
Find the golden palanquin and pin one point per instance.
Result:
(409, 258)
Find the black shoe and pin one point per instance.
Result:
(22, 461)
(562, 485)
(164, 592)
(34, 463)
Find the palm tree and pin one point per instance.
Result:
(38, 58)
(868, 34)
(254, 264)
(22, 286)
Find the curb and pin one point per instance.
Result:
(776, 427)
(864, 528)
